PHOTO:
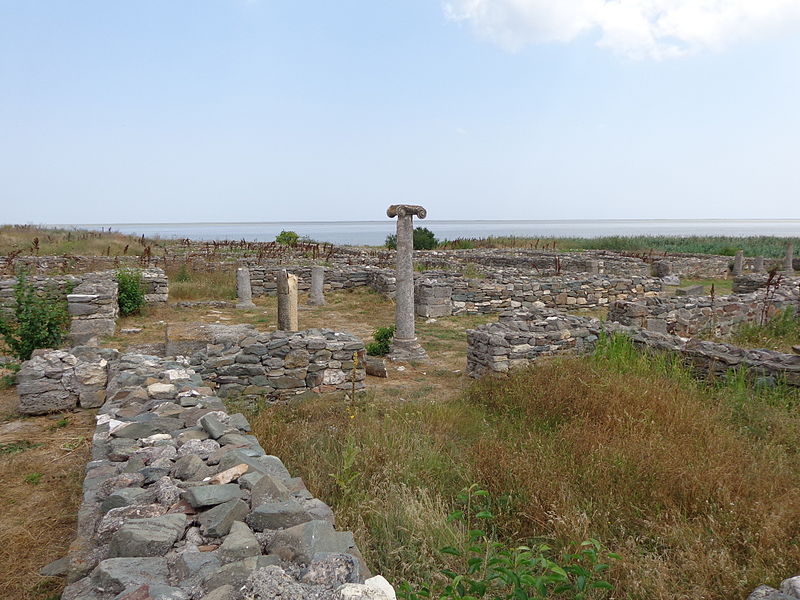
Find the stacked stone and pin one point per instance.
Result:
(181, 502)
(263, 278)
(701, 314)
(241, 360)
(432, 298)
(43, 284)
(94, 308)
(156, 285)
(472, 296)
(520, 338)
(750, 283)
(56, 380)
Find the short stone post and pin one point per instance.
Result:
(316, 297)
(737, 263)
(789, 259)
(758, 264)
(244, 293)
(287, 301)
(404, 345)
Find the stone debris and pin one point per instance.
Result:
(168, 514)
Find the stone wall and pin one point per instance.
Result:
(242, 360)
(702, 314)
(756, 281)
(180, 502)
(521, 338)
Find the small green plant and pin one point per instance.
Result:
(346, 476)
(60, 424)
(34, 478)
(383, 339)
(182, 275)
(131, 292)
(288, 238)
(9, 379)
(11, 448)
(490, 569)
(39, 321)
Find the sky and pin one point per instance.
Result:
(268, 110)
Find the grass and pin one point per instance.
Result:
(42, 462)
(30, 239)
(722, 287)
(779, 333)
(694, 484)
(186, 283)
(767, 246)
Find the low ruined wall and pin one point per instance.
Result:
(756, 281)
(521, 338)
(181, 503)
(241, 360)
(263, 280)
(703, 314)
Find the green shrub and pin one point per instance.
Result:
(131, 292)
(182, 275)
(491, 569)
(287, 237)
(40, 319)
(423, 240)
(383, 339)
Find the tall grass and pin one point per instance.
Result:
(688, 481)
(45, 241)
(187, 283)
(768, 246)
(779, 333)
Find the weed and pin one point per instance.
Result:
(34, 478)
(60, 424)
(11, 448)
(40, 319)
(131, 292)
(383, 340)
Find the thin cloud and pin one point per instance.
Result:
(639, 29)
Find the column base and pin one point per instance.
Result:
(245, 305)
(406, 350)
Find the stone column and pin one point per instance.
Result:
(316, 297)
(244, 293)
(758, 264)
(737, 263)
(287, 301)
(404, 345)
(787, 262)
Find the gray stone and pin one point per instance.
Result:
(356, 591)
(211, 495)
(57, 568)
(125, 497)
(217, 521)
(239, 543)
(117, 517)
(190, 467)
(138, 430)
(791, 586)
(213, 426)
(152, 592)
(237, 573)
(268, 489)
(266, 465)
(273, 583)
(329, 568)
(148, 537)
(287, 301)
(244, 292)
(277, 515)
(316, 296)
(239, 421)
(202, 448)
(116, 574)
(301, 542)
(223, 592)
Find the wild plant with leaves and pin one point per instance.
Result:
(491, 569)
(131, 292)
(39, 321)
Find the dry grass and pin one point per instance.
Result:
(41, 494)
(186, 283)
(53, 242)
(661, 470)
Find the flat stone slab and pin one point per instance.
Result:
(217, 521)
(239, 543)
(690, 290)
(117, 574)
(211, 495)
(277, 515)
(148, 537)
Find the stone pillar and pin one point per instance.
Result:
(737, 263)
(244, 294)
(758, 264)
(287, 301)
(404, 345)
(787, 261)
(316, 297)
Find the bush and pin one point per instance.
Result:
(288, 238)
(40, 319)
(423, 240)
(131, 292)
(383, 339)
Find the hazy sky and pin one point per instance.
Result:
(268, 110)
